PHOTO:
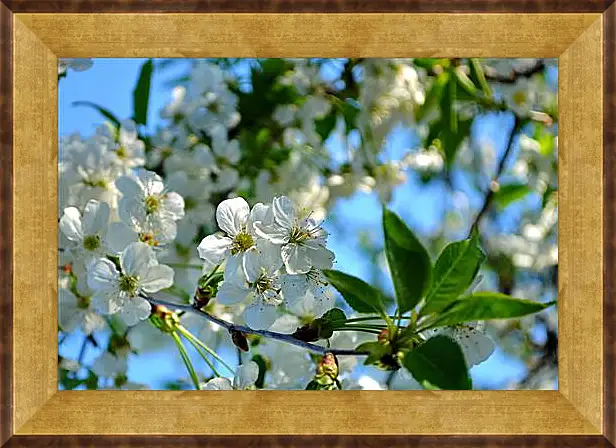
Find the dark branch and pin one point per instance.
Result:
(499, 170)
(230, 327)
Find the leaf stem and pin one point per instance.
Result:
(184, 266)
(186, 359)
(204, 357)
(195, 341)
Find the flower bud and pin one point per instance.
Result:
(383, 336)
(327, 367)
(239, 339)
(202, 297)
(164, 319)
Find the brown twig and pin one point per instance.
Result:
(499, 170)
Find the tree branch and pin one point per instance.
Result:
(230, 327)
(499, 170)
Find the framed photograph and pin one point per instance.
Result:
(308, 223)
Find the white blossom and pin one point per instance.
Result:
(245, 377)
(86, 232)
(303, 240)
(119, 291)
(238, 236)
(257, 282)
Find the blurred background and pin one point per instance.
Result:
(438, 191)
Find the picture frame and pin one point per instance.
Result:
(582, 35)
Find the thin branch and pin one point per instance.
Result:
(499, 171)
(390, 378)
(492, 74)
(230, 327)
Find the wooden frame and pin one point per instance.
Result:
(583, 37)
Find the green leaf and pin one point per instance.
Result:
(440, 362)
(104, 112)
(465, 82)
(450, 114)
(312, 385)
(376, 351)
(409, 262)
(545, 139)
(454, 271)
(433, 96)
(141, 94)
(360, 296)
(428, 63)
(262, 364)
(324, 126)
(485, 306)
(478, 76)
(508, 194)
(333, 319)
(349, 114)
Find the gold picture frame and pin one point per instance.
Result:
(580, 411)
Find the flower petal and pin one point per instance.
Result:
(232, 215)
(136, 259)
(284, 212)
(71, 224)
(132, 211)
(217, 384)
(95, 217)
(294, 288)
(129, 187)
(102, 275)
(230, 293)
(246, 376)
(476, 346)
(172, 206)
(119, 236)
(212, 248)
(296, 258)
(152, 182)
(320, 256)
(92, 323)
(260, 316)
(260, 213)
(252, 264)
(107, 302)
(134, 310)
(234, 269)
(156, 278)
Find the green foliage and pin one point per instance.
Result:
(478, 77)
(485, 306)
(104, 112)
(409, 262)
(376, 350)
(360, 296)
(454, 271)
(508, 194)
(141, 94)
(449, 130)
(331, 320)
(326, 125)
(440, 362)
(263, 366)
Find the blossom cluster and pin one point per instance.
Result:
(273, 254)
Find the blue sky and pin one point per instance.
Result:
(109, 83)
